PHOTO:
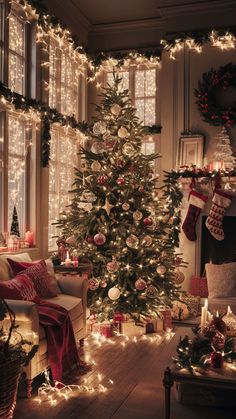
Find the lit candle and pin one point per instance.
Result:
(204, 314)
(68, 260)
(29, 238)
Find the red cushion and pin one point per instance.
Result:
(18, 288)
(38, 274)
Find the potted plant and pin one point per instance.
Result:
(15, 352)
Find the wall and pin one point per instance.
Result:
(179, 113)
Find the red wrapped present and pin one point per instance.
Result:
(198, 286)
(104, 328)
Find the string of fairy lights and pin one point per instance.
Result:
(57, 392)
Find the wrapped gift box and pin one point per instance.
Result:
(129, 328)
(103, 328)
(167, 319)
(154, 325)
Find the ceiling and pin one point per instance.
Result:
(122, 24)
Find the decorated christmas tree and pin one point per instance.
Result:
(223, 153)
(15, 224)
(116, 220)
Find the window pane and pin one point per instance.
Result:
(16, 171)
(61, 176)
(122, 74)
(145, 95)
(16, 35)
(16, 73)
(16, 54)
(150, 112)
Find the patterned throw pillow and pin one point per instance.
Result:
(18, 288)
(38, 274)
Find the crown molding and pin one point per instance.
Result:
(129, 26)
(172, 10)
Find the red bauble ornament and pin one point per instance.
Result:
(101, 180)
(120, 181)
(218, 324)
(99, 239)
(141, 189)
(147, 221)
(216, 360)
(89, 239)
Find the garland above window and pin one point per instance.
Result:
(212, 82)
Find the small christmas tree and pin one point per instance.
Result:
(15, 224)
(116, 219)
(223, 153)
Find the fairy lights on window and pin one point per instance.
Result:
(16, 68)
(145, 95)
(64, 149)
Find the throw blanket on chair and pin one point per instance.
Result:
(62, 350)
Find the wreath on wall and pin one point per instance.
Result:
(212, 82)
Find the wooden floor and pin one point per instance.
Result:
(137, 393)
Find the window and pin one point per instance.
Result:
(145, 95)
(2, 21)
(125, 79)
(17, 173)
(16, 67)
(64, 149)
(64, 80)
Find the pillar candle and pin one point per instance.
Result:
(29, 238)
(204, 314)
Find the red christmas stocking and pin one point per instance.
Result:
(220, 202)
(196, 203)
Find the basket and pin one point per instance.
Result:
(9, 377)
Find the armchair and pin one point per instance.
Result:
(71, 294)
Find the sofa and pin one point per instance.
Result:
(71, 294)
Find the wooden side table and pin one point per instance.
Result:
(82, 269)
(222, 378)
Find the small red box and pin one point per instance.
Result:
(198, 286)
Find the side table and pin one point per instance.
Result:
(82, 269)
(222, 378)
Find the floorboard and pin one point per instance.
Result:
(137, 393)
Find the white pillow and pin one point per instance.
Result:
(221, 279)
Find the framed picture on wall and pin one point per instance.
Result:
(191, 150)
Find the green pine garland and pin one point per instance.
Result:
(212, 82)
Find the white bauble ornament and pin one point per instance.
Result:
(97, 147)
(99, 239)
(128, 150)
(95, 166)
(147, 241)
(137, 215)
(123, 132)
(161, 269)
(113, 266)
(115, 109)
(140, 284)
(93, 284)
(88, 196)
(125, 206)
(151, 291)
(99, 128)
(114, 293)
(132, 241)
(106, 135)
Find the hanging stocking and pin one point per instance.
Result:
(220, 202)
(196, 203)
